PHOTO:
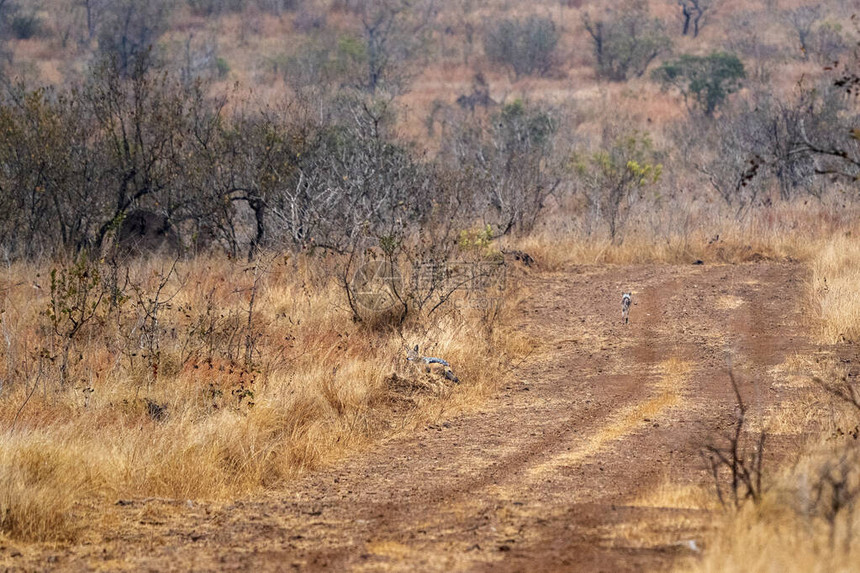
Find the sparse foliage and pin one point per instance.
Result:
(526, 46)
(747, 38)
(613, 178)
(150, 304)
(389, 37)
(508, 167)
(76, 297)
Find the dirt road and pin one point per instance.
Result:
(581, 463)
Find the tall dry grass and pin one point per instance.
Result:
(205, 403)
(788, 231)
(835, 280)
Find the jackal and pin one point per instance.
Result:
(626, 299)
(435, 365)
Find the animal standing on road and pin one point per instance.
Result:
(626, 299)
(435, 365)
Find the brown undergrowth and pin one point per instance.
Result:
(209, 379)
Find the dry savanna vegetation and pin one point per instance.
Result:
(223, 223)
(208, 379)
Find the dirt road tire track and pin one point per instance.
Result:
(545, 476)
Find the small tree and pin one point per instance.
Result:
(614, 176)
(814, 35)
(706, 80)
(509, 164)
(390, 36)
(626, 42)
(527, 46)
(726, 155)
(740, 454)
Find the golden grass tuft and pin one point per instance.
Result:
(835, 276)
(677, 496)
(41, 477)
(787, 531)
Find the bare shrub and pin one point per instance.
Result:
(747, 38)
(740, 455)
(199, 60)
(526, 46)
(802, 20)
(828, 43)
(793, 147)
(835, 492)
(76, 300)
(508, 164)
(128, 31)
(391, 32)
(814, 35)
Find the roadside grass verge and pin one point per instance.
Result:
(835, 278)
(785, 232)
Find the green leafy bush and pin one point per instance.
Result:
(706, 80)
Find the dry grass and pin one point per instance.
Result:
(795, 231)
(677, 496)
(322, 386)
(198, 419)
(788, 530)
(41, 477)
(835, 276)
